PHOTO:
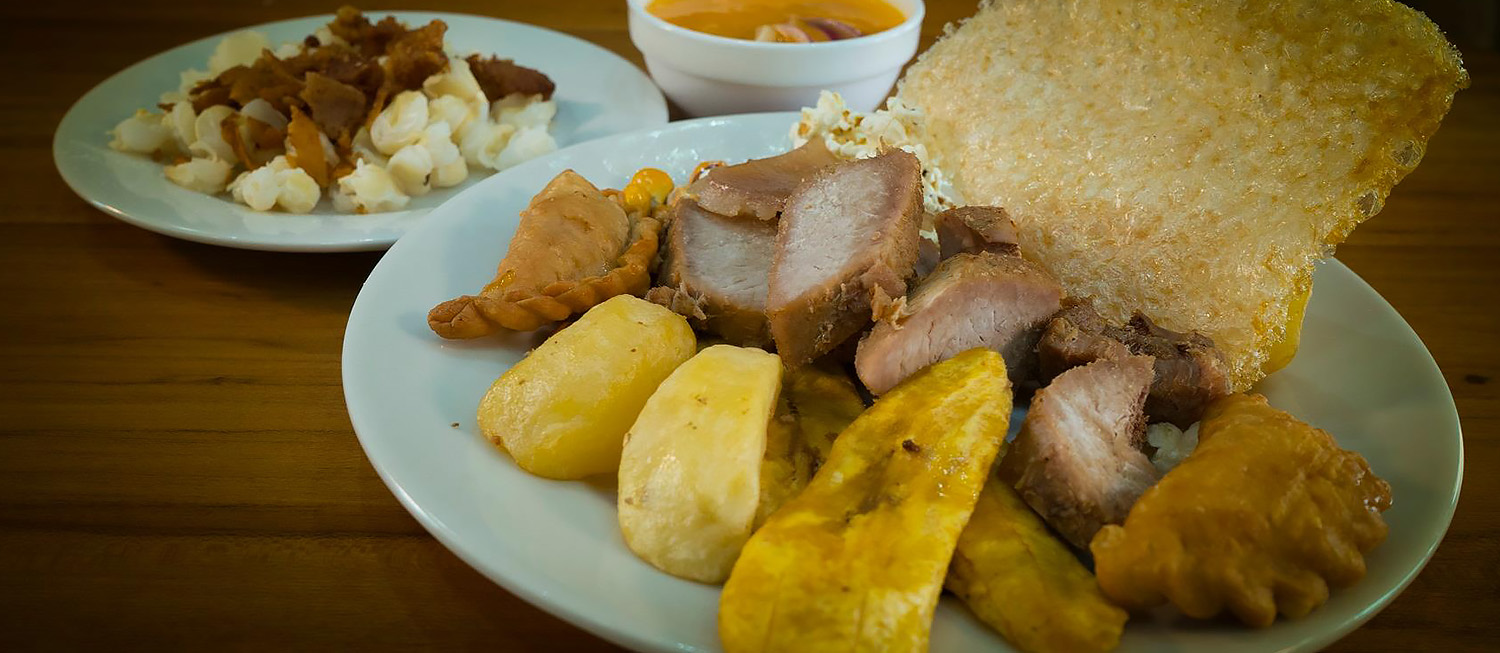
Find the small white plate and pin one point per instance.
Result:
(1362, 374)
(598, 94)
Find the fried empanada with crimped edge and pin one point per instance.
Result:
(575, 247)
(1265, 516)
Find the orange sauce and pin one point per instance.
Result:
(740, 18)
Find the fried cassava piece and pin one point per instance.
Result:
(691, 466)
(1263, 517)
(856, 561)
(1024, 582)
(562, 412)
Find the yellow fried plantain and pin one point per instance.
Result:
(816, 405)
(856, 561)
(825, 403)
(1021, 580)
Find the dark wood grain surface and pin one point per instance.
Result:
(177, 469)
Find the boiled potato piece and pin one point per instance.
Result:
(816, 405)
(1024, 582)
(856, 561)
(562, 412)
(690, 473)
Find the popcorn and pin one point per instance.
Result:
(1173, 445)
(421, 140)
(143, 133)
(210, 141)
(369, 189)
(451, 110)
(448, 165)
(524, 111)
(526, 144)
(183, 122)
(411, 168)
(364, 148)
(262, 110)
(326, 36)
(458, 82)
(237, 49)
(401, 123)
(854, 135)
(276, 183)
(187, 79)
(204, 174)
(482, 142)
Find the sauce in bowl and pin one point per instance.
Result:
(780, 20)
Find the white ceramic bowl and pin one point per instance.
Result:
(709, 75)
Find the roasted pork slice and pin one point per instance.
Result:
(996, 301)
(715, 272)
(1190, 372)
(1076, 461)
(928, 257)
(759, 188)
(846, 246)
(975, 229)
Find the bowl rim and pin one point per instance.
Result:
(913, 21)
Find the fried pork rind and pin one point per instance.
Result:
(575, 247)
(501, 77)
(1188, 158)
(1264, 516)
(856, 561)
(1021, 580)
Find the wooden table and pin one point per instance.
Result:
(177, 469)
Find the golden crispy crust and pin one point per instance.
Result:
(519, 310)
(1187, 158)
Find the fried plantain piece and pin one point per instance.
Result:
(856, 561)
(1264, 516)
(1021, 580)
(816, 404)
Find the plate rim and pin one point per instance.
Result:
(658, 108)
(522, 583)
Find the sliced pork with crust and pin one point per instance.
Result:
(716, 271)
(1189, 373)
(975, 229)
(759, 188)
(996, 301)
(1076, 461)
(846, 246)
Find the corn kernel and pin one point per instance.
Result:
(653, 181)
(637, 198)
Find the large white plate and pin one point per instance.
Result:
(1362, 374)
(598, 94)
